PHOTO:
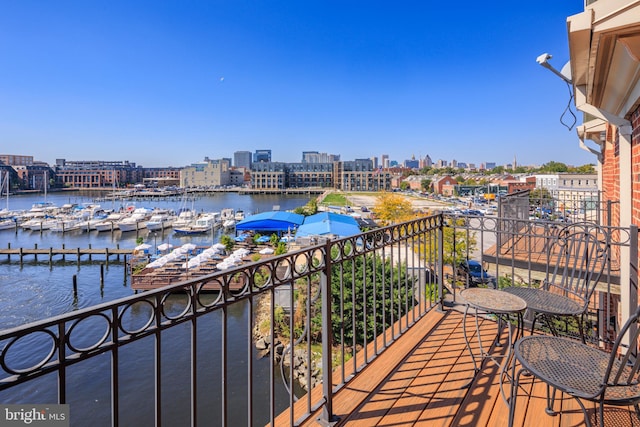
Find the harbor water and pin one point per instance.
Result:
(37, 289)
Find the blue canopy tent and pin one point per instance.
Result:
(271, 222)
(328, 223)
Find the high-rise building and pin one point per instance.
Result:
(262, 156)
(317, 157)
(242, 159)
(384, 159)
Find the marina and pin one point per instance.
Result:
(37, 283)
(51, 280)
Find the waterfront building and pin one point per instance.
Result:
(262, 156)
(360, 175)
(242, 159)
(238, 177)
(268, 175)
(16, 160)
(208, 173)
(278, 175)
(96, 173)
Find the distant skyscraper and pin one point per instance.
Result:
(385, 160)
(242, 159)
(262, 156)
(374, 159)
(317, 157)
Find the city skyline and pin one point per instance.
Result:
(167, 85)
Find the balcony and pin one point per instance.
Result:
(376, 316)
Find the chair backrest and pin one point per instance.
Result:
(624, 365)
(578, 258)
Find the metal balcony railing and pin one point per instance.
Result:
(181, 355)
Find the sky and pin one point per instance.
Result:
(166, 83)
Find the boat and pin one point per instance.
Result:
(39, 223)
(8, 224)
(186, 217)
(239, 215)
(110, 223)
(202, 224)
(227, 218)
(68, 223)
(136, 221)
(160, 221)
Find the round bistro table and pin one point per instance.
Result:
(506, 307)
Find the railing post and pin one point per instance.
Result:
(440, 264)
(327, 417)
(633, 273)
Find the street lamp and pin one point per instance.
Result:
(155, 243)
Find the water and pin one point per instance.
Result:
(37, 290)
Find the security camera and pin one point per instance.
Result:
(542, 59)
(565, 74)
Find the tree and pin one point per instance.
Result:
(588, 168)
(311, 208)
(540, 197)
(457, 243)
(426, 184)
(390, 207)
(404, 185)
(376, 281)
(228, 242)
(554, 167)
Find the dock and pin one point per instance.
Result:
(50, 252)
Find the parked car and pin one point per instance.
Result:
(471, 272)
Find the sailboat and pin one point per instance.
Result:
(7, 223)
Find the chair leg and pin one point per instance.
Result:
(514, 393)
(533, 323)
(551, 398)
(580, 321)
(601, 414)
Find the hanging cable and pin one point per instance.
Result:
(568, 109)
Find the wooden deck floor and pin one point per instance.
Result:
(420, 379)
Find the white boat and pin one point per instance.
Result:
(109, 223)
(136, 221)
(160, 221)
(7, 224)
(62, 225)
(185, 218)
(39, 223)
(202, 224)
(239, 215)
(229, 223)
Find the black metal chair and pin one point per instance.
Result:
(577, 257)
(582, 371)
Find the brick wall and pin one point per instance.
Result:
(635, 169)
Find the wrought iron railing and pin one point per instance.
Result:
(181, 355)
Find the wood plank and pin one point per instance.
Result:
(417, 382)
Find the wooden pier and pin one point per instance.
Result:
(89, 252)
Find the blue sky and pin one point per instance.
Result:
(166, 83)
